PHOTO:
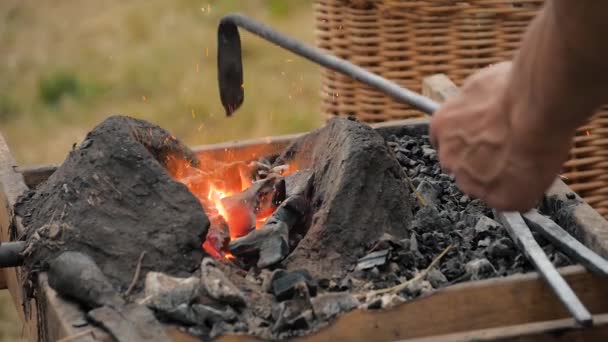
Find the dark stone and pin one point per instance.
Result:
(358, 181)
(284, 285)
(164, 293)
(115, 199)
(330, 305)
(270, 244)
(75, 275)
(480, 269)
(216, 285)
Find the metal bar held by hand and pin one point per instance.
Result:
(521, 234)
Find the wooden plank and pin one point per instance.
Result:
(54, 314)
(558, 330)
(438, 87)
(486, 304)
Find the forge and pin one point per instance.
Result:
(273, 243)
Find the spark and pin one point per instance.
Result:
(193, 114)
(144, 98)
(198, 67)
(208, 8)
(200, 127)
(206, 52)
(288, 60)
(243, 85)
(283, 73)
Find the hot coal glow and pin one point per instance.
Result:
(237, 196)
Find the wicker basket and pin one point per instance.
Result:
(407, 40)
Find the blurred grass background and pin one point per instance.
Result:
(65, 65)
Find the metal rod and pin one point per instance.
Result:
(10, 254)
(521, 234)
(316, 55)
(566, 243)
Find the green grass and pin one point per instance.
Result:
(66, 65)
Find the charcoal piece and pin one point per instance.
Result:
(294, 314)
(387, 241)
(419, 287)
(270, 277)
(75, 275)
(485, 224)
(286, 285)
(413, 243)
(480, 269)
(428, 152)
(299, 182)
(374, 259)
(360, 193)
(436, 278)
(330, 305)
(218, 236)
(217, 286)
(204, 314)
(502, 248)
(131, 323)
(164, 292)
(374, 304)
(428, 192)
(391, 300)
(270, 243)
(115, 199)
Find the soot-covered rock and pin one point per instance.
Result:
(360, 192)
(112, 199)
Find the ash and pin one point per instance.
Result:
(287, 303)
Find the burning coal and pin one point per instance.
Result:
(238, 197)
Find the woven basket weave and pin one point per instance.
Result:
(407, 40)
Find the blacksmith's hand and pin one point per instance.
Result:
(489, 150)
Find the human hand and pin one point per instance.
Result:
(495, 151)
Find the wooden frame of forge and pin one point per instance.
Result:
(518, 307)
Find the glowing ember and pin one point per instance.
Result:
(213, 184)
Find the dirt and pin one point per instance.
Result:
(112, 199)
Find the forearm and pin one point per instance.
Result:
(560, 74)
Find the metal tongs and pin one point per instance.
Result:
(230, 77)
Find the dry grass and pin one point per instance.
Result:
(67, 64)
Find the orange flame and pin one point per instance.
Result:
(214, 182)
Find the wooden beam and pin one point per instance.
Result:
(558, 330)
(438, 87)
